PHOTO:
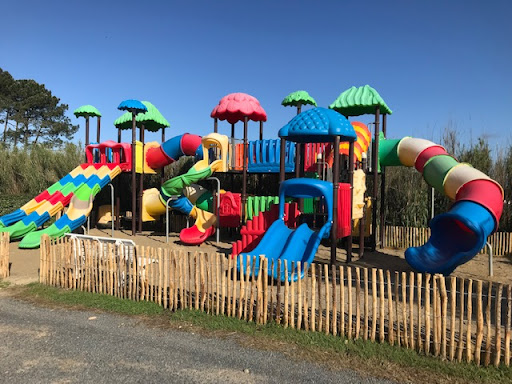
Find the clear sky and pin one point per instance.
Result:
(435, 62)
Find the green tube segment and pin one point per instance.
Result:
(436, 169)
(388, 152)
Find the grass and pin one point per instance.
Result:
(375, 359)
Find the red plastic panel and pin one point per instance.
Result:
(193, 236)
(157, 158)
(230, 210)
(426, 155)
(484, 192)
(42, 196)
(344, 211)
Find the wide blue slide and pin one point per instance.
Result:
(283, 243)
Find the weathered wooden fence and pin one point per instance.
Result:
(453, 318)
(4, 255)
(405, 237)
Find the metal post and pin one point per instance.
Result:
(217, 222)
(118, 135)
(351, 182)
(215, 125)
(491, 272)
(244, 180)
(134, 175)
(167, 217)
(87, 131)
(362, 226)
(141, 180)
(112, 205)
(282, 159)
(98, 129)
(335, 187)
(261, 130)
(375, 170)
(382, 191)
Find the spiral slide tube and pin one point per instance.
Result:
(459, 234)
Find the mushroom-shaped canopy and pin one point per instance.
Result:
(359, 101)
(152, 119)
(236, 106)
(318, 125)
(86, 111)
(298, 98)
(134, 106)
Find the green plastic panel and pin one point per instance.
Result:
(388, 152)
(257, 204)
(87, 111)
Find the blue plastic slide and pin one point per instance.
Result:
(457, 236)
(283, 243)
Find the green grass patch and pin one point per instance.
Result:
(85, 300)
(4, 284)
(376, 359)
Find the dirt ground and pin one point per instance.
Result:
(25, 263)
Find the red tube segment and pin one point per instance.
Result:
(426, 155)
(156, 158)
(487, 193)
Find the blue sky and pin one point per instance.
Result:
(435, 62)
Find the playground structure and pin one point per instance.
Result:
(321, 163)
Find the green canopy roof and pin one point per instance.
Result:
(152, 119)
(87, 110)
(359, 101)
(298, 98)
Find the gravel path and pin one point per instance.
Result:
(57, 346)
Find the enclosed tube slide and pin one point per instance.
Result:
(154, 201)
(459, 234)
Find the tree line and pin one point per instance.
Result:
(31, 114)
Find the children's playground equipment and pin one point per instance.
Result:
(459, 234)
(318, 143)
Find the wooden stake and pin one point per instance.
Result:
(404, 309)
(365, 305)
(265, 291)
(479, 322)
(497, 332)
(320, 301)
(397, 298)
(382, 336)
(299, 298)
(278, 294)
(342, 300)
(349, 293)
(453, 300)
(285, 293)
(469, 308)
(358, 302)
(488, 339)
(391, 322)
(508, 326)
(328, 299)
(334, 321)
(292, 296)
(444, 311)
(411, 310)
(419, 282)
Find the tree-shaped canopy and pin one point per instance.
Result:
(236, 106)
(297, 98)
(152, 120)
(86, 111)
(359, 101)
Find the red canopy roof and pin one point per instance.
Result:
(235, 106)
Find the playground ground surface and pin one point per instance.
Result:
(25, 263)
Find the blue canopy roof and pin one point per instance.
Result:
(318, 125)
(132, 105)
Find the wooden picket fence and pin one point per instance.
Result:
(4, 255)
(405, 237)
(456, 319)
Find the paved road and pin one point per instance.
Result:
(41, 345)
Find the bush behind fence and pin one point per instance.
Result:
(454, 318)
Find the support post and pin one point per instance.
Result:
(98, 129)
(382, 191)
(335, 187)
(362, 226)
(375, 170)
(244, 167)
(162, 171)
(87, 131)
(282, 157)
(215, 125)
(112, 193)
(118, 135)
(351, 182)
(134, 175)
(261, 130)
(141, 181)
